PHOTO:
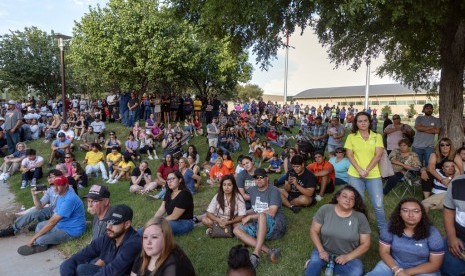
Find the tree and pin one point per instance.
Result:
(423, 42)
(29, 60)
(248, 92)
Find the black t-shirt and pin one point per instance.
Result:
(132, 102)
(306, 180)
(177, 264)
(136, 173)
(183, 201)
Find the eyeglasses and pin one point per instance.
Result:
(170, 179)
(408, 211)
(444, 145)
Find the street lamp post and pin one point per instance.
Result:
(61, 38)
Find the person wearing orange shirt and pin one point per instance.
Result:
(228, 163)
(324, 172)
(217, 171)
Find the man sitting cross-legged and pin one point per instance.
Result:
(94, 161)
(267, 222)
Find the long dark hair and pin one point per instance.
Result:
(235, 191)
(397, 224)
(209, 153)
(180, 177)
(354, 125)
(359, 206)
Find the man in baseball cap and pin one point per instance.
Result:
(98, 204)
(115, 251)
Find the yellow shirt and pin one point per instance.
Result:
(129, 165)
(364, 152)
(197, 105)
(114, 157)
(94, 157)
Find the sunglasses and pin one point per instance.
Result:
(260, 177)
(444, 145)
(67, 157)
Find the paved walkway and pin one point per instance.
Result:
(11, 263)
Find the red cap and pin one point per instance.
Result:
(60, 180)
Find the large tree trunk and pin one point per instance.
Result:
(451, 83)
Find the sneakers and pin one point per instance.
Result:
(33, 182)
(24, 184)
(2, 176)
(109, 180)
(209, 232)
(150, 157)
(318, 198)
(7, 232)
(255, 260)
(29, 250)
(274, 254)
(6, 176)
(113, 181)
(295, 209)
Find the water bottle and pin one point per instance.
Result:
(330, 266)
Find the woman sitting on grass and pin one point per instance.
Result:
(178, 204)
(195, 169)
(122, 170)
(210, 159)
(132, 147)
(340, 232)
(411, 245)
(160, 254)
(79, 175)
(189, 177)
(147, 146)
(217, 172)
(227, 206)
(112, 142)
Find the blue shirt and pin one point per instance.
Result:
(341, 168)
(71, 210)
(275, 164)
(408, 252)
(59, 143)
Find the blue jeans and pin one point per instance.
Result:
(132, 118)
(12, 139)
(351, 268)
(125, 117)
(281, 180)
(423, 154)
(54, 236)
(374, 186)
(87, 269)
(181, 226)
(451, 265)
(39, 215)
(381, 269)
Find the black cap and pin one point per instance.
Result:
(61, 134)
(118, 214)
(260, 172)
(98, 192)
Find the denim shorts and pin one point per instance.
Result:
(271, 229)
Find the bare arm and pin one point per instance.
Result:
(177, 213)
(244, 194)
(433, 265)
(161, 210)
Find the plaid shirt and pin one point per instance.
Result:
(316, 131)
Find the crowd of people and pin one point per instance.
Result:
(334, 154)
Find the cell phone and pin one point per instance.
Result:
(292, 173)
(41, 187)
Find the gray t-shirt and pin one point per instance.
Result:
(212, 127)
(11, 117)
(340, 235)
(262, 200)
(245, 180)
(99, 228)
(423, 139)
(455, 200)
(49, 197)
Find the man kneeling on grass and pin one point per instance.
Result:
(267, 221)
(68, 221)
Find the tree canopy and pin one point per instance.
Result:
(140, 44)
(29, 61)
(248, 92)
(423, 42)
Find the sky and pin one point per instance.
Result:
(309, 66)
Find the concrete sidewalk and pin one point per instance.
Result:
(11, 263)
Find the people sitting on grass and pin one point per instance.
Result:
(69, 133)
(190, 178)
(324, 172)
(132, 147)
(160, 254)
(71, 181)
(52, 128)
(436, 200)
(267, 222)
(239, 262)
(79, 175)
(59, 147)
(410, 245)
(178, 204)
(12, 162)
(31, 168)
(227, 208)
(114, 253)
(123, 170)
(112, 142)
(88, 138)
(299, 188)
(42, 210)
(94, 161)
(99, 128)
(217, 172)
(112, 159)
(341, 165)
(67, 222)
(147, 146)
(340, 233)
(275, 164)
(168, 166)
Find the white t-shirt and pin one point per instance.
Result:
(69, 134)
(31, 163)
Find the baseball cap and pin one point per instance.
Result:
(60, 180)
(11, 102)
(260, 172)
(118, 214)
(61, 134)
(98, 192)
(2, 119)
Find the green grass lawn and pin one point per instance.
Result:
(208, 255)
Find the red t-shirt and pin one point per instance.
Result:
(315, 168)
(271, 136)
(165, 170)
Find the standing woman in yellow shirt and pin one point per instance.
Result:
(364, 150)
(197, 106)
